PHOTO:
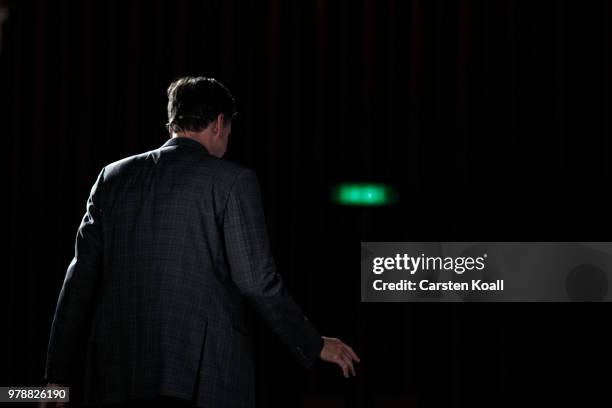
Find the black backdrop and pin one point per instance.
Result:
(492, 119)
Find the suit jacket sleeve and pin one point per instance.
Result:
(253, 270)
(70, 323)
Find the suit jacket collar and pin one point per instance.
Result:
(185, 141)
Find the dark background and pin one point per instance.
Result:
(491, 118)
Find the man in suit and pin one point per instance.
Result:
(170, 259)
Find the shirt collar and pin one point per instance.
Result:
(185, 141)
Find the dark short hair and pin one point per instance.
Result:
(194, 102)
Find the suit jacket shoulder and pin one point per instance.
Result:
(226, 170)
(178, 165)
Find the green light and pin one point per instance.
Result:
(363, 194)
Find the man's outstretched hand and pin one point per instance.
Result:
(335, 351)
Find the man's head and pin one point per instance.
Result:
(202, 109)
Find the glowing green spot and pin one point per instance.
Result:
(363, 194)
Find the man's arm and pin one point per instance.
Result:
(253, 270)
(69, 326)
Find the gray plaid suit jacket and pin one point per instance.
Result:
(170, 259)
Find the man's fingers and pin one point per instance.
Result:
(347, 365)
(353, 354)
(350, 363)
(342, 364)
(348, 359)
(350, 350)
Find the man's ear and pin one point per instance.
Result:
(218, 124)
